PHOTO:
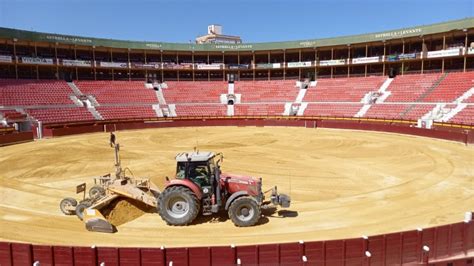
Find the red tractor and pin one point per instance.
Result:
(200, 187)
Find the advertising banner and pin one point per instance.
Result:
(470, 50)
(209, 66)
(186, 66)
(114, 64)
(37, 60)
(336, 62)
(238, 66)
(260, 66)
(81, 63)
(266, 66)
(407, 56)
(170, 66)
(391, 58)
(5, 58)
(364, 60)
(299, 64)
(147, 65)
(444, 53)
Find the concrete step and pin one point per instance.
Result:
(74, 88)
(363, 110)
(158, 111)
(95, 113)
(301, 109)
(230, 110)
(385, 85)
(453, 112)
(300, 96)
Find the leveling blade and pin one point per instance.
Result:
(96, 222)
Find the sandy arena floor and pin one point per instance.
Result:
(342, 183)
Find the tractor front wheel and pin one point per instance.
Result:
(178, 205)
(244, 211)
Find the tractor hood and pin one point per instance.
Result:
(235, 183)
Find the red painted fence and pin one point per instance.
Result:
(452, 243)
(447, 245)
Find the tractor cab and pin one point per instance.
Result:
(199, 167)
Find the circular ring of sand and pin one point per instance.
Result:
(343, 184)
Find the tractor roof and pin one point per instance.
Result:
(194, 156)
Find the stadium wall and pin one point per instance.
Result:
(15, 138)
(453, 243)
(463, 135)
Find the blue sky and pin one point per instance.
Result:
(254, 21)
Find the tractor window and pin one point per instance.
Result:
(181, 171)
(199, 173)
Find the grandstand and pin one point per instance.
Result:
(411, 98)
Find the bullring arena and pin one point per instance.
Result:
(344, 184)
(370, 135)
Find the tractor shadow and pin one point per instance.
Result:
(222, 216)
(272, 212)
(219, 217)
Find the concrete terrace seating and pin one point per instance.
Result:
(32, 92)
(194, 92)
(267, 91)
(332, 109)
(11, 114)
(409, 88)
(417, 111)
(201, 110)
(124, 112)
(452, 87)
(57, 115)
(258, 109)
(113, 92)
(343, 89)
(466, 116)
(386, 111)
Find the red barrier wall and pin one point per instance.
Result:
(455, 241)
(452, 134)
(446, 243)
(14, 138)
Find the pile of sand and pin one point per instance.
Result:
(123, 210)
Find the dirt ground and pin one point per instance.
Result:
(342, 183)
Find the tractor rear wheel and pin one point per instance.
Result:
(67, 205)
(178, 205)
(244, 211)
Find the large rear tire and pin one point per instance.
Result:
(178, 205)
(244, 211)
